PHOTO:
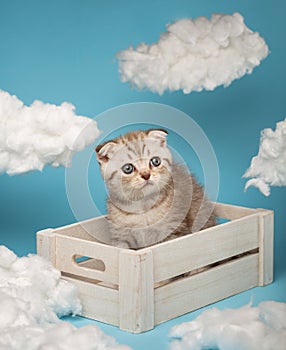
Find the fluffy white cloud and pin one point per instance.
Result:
(62, 336)
(32, 296)
(194, 55)
(33, 288)
(41, 134)
(246, 328)
(268, 168)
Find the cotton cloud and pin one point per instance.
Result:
(268, 168)
(32, 284)
(62, 336)
(193, 55)
(246, 328)
(32, 296)
(40, 134)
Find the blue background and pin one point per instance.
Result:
(63, 50)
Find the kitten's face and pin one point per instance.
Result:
(136, 165)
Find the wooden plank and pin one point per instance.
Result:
(266, 242)
(232, 212)
(92, 229)
(200, 249)
(136, 291)
(46, 245)
(205, 288)
(99, 303)
(69, 247)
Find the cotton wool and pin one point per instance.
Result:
(194, 54)
(36, 287)
(245, 328)
(40, 134)
(268, 167)
(32, 296)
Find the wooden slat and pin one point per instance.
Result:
(266, 237)
(92, 229)
(136, 291)
(232, 212)
(205, 288)
(68, 247)
(46, 245)
(197, 250)
(99, 303)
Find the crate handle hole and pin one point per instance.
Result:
(88, 262)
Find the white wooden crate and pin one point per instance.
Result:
(136, 290)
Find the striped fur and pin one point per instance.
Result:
(153, 203)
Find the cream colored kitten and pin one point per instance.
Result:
(151, 199)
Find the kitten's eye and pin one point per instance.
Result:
(128, 168)
(155, 161)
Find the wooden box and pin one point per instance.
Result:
(137, 290)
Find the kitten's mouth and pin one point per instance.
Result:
(144, 185)
(147, 183)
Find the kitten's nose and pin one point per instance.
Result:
(145, 175)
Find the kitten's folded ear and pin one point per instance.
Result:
(158, 134)
(105, 151)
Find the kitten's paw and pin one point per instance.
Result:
(120, 244)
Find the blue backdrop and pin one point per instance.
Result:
(60, 50)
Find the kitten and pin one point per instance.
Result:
(151, 199)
